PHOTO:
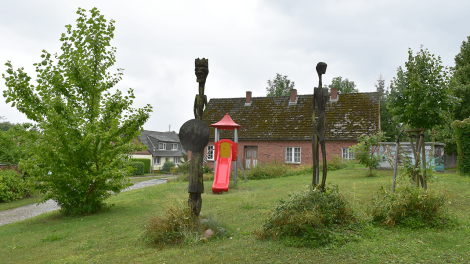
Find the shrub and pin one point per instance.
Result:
(179, 226)
(462, 135)
(336, 164)
(270, 170)
(147, 164)
(167, 165)
(184, 167)
(138, 167)
(310, 218)
(13, 187)
(410, 207)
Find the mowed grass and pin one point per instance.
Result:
(114, 236)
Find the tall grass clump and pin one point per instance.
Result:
(411, 207)
(311, 218)
(179, 226)
(269, 170)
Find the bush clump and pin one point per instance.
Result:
(13, 187)
(167, 165)
(137, 168)
(146, 164)
(410, 206)
(311, 218)
(184, 167)
(270, 170)
(179, 226)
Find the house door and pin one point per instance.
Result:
(251, 156)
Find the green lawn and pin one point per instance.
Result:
(113, 236)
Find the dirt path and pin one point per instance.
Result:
(28, 211)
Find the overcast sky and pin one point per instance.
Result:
(246, 42)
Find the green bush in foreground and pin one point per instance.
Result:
(410, 207)
(180, 226)
(13, 187)
(311, 218)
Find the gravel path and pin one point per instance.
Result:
(28, 211)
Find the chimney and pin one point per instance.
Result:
(248, 98)
(293, 97)
(334, 94)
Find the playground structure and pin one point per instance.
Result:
(225, 153)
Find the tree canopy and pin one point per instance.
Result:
(85, 130)
(461, 82)
(343, 85)
(420, 92)
(279, 86)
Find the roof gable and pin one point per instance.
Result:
(272, 118)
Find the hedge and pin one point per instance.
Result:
(146, 164)
(138, 167)
(13, 187)
(462, 134)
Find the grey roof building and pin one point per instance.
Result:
(162, 144)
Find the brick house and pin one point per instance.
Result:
(281, 129)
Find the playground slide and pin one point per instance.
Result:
(223, 168)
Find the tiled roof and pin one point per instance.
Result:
(272, 118)
(152, 138)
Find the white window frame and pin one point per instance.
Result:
(174, 146)
(210, 152)
(347, 153)
(293, 155)
(157, 160)
(161, 146)
(176, 160)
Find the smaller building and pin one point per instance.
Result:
(161, 147)
(434, 154)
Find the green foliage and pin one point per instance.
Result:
(366, 150)
(12, 149)
(420, 92)
(461, 82)
(279, 86)
(310, 218)
(184, 167)
(336, 163)
(146, 163)
(389, 125)
(270, 170)
(462, 135)
(167, 165)
(137, 168)
(180, 226)
(410, 207)
(85, 130)
(344, 86)
(13, 187)
(5, 126)
(206, 169)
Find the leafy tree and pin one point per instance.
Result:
(389, 126)
(461, 82)
(279, 86)
(419, 98)
(86, 132)
(343, 85)
(12, 141)
(366, 150)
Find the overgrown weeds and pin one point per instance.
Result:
(179, 226)
(311, 218)
(411, 206)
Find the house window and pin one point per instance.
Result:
(162, 146)
(156, 160)
(174, 146)
(176, 160)
(210, 152)
(348, 154)
(293, 155)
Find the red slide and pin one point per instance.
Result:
(225, 153)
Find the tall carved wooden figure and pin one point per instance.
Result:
(194, 136)
(320, 97)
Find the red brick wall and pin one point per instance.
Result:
(269, 150)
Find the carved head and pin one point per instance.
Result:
(321, 68)
(202, 69)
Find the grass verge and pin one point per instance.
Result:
(114, 236)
